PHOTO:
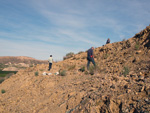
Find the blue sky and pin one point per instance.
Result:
(38, 28)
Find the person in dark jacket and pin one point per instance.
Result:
(108, 41)
(90, 57)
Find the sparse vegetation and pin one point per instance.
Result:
(128, 44)
(62, 73)
(115, 78)
(137, 45)
(71, 67)
(2, 66)
(86, 73)
(1, 80)
(125, 71)
(82, 69)
(80, 52)
(92, 70)
(77, 58)
(115, 53)
(41, 69)
(31, 65)
(105, 56)
(4, 73)
(124, 39)
(84, 57)
(36, 73)
(3, 91)
(68, 55)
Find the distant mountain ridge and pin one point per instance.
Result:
(15, 63)
(20, 59)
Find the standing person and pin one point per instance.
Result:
(108, 41)
(50, 60)
(90, 57)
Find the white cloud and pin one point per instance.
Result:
(61, 26)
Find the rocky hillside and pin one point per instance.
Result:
(14, 63)
(120, 83)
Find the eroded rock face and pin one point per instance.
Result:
(120, 83)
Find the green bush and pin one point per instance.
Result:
(36, 73)
(3, 91)
(62, 73)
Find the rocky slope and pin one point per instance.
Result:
(119, 84)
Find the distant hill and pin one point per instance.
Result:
(20, 59)
(14, 63)
(120, 83)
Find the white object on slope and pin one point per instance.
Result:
(44, 73)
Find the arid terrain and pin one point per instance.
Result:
(120, 83)
(15, 63)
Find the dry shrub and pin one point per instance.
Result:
(62, 72)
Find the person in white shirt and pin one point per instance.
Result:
(50, 60)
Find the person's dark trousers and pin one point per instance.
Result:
(50, 66)
(90, 60)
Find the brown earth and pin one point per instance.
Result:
(119, 84)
